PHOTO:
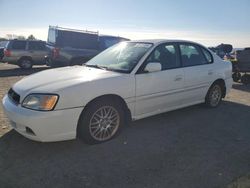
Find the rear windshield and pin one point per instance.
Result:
(3, 44)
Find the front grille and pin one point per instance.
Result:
(14, 96)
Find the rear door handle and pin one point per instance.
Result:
(178, 78)
(210, 72)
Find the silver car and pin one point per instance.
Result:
(25, 53)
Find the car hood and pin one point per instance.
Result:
(52, 80)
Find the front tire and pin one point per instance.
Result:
(102, 120)
(214, 95)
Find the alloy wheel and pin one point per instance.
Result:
(104, 123)
(215, 95)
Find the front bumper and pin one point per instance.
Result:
(48, 126)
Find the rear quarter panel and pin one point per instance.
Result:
(223, 71)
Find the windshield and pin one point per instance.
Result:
(122, 57)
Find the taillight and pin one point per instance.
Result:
(56, 52)
(7, 53)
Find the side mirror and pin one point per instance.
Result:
(153, 67)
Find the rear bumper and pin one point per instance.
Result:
(11, 60)
(229, 83)
(49, 126)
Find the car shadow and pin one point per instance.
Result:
(191, 147)
(20, 72)
(241, 87)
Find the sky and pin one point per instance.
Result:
(208, 22)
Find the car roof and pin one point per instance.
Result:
(160, 41)
(26, 40)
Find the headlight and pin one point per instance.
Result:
(43, 102)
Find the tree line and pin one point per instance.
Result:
(20, 37)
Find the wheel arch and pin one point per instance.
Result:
(222, 83)
(115, 97)
(25, 57)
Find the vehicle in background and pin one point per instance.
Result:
(240, 60)
(25, 53)
(241, 65)
(222, 50)
(74, 47)
(2, 46)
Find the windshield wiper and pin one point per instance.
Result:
(116, 70)
(107, 68)
(96, 66)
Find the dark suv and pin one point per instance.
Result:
(25, 53)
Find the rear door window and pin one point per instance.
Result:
(36, 45)
(191, 55)
(19, 45)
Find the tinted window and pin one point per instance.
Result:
(19, 45)
(191, 55)
(3, 43)
(36, 46)
(166, 55)
(207, 55)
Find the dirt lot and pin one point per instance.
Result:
(9, 74)
(191, 147)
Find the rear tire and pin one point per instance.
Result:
(101, 121)
(25, 63)
(214, 95)
(236, 76)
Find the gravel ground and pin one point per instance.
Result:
(9, 74)
(191, 147)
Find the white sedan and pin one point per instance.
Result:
(131, 80)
